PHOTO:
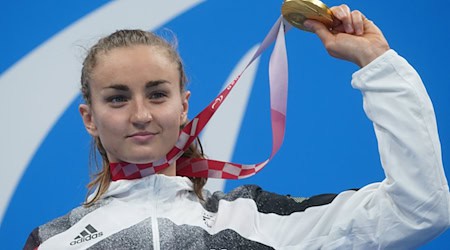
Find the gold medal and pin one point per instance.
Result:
(297, 11)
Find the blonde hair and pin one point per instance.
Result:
(101, 177)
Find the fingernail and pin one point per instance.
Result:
(349, 28)
(359, 32)
(308, 24)
(339, 14)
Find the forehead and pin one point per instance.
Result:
(145, 55)
(135, 62)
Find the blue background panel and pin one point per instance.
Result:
(329, 145)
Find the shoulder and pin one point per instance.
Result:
(60, 224)
(267, 202)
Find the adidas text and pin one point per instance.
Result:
(87, 238)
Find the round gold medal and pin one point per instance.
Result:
(297, 11)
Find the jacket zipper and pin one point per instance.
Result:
(155, 229)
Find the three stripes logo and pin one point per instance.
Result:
(89, 233)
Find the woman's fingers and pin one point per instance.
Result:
(351, 22)
(358, 22)
(342, 13)
(321, 31)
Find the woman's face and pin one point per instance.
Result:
(136, 104)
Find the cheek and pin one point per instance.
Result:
(108, 124)
(171, 120)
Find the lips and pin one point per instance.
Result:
(141, 137)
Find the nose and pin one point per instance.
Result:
(140, 113)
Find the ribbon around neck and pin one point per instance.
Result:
(199, 167)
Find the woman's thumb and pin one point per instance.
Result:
(319, 28)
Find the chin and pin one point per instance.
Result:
(141, 155)
(143, 159)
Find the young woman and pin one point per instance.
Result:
(135, 104)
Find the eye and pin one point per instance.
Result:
(157, 95)
(117, 99)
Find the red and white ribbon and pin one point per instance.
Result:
(278, 79)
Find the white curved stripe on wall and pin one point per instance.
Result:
(41, 86)
(229, 117)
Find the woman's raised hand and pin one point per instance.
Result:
(353, 37)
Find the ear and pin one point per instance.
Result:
(185, 106)
(86, 115)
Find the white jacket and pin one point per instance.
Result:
(404, 211)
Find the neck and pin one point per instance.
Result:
(170, 170)
(129, 171)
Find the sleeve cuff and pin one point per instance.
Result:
(377, 66)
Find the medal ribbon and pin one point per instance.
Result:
(194, 167)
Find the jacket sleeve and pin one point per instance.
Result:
(411, 205)
(33, 240)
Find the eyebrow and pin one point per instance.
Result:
(117, 87)
(148, 85)
(152, 84)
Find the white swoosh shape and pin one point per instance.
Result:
(223, 128)
(39, 88)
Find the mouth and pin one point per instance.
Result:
(141, 137)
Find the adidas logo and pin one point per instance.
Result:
(87, 234)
